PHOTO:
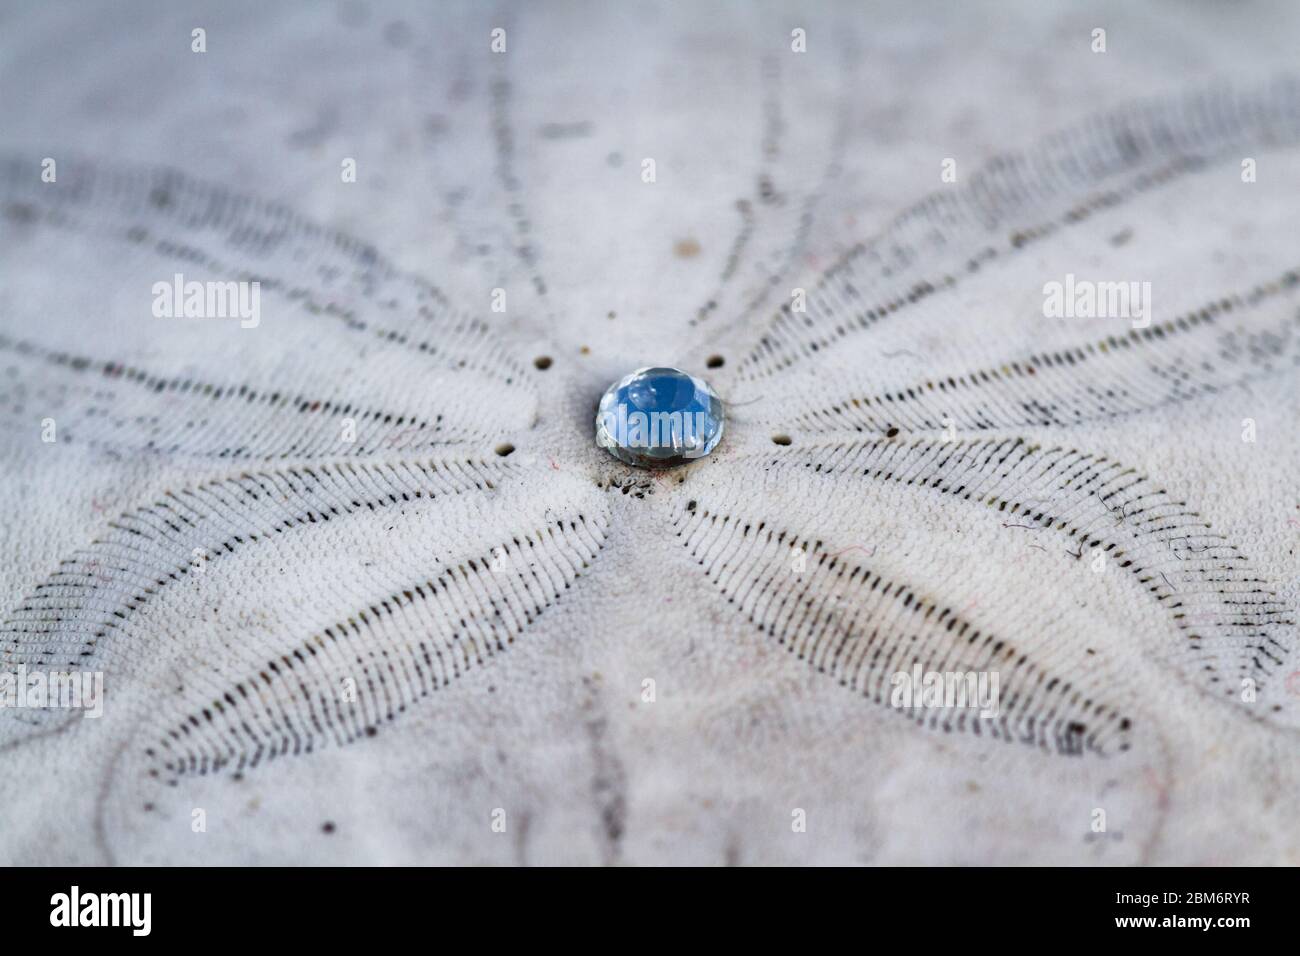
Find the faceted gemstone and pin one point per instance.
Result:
(656, 417)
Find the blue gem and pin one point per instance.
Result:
(659, 416)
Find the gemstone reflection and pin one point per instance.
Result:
(655, 417)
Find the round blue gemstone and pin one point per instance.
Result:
(659, 416)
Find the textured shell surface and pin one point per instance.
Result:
(361, 585)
